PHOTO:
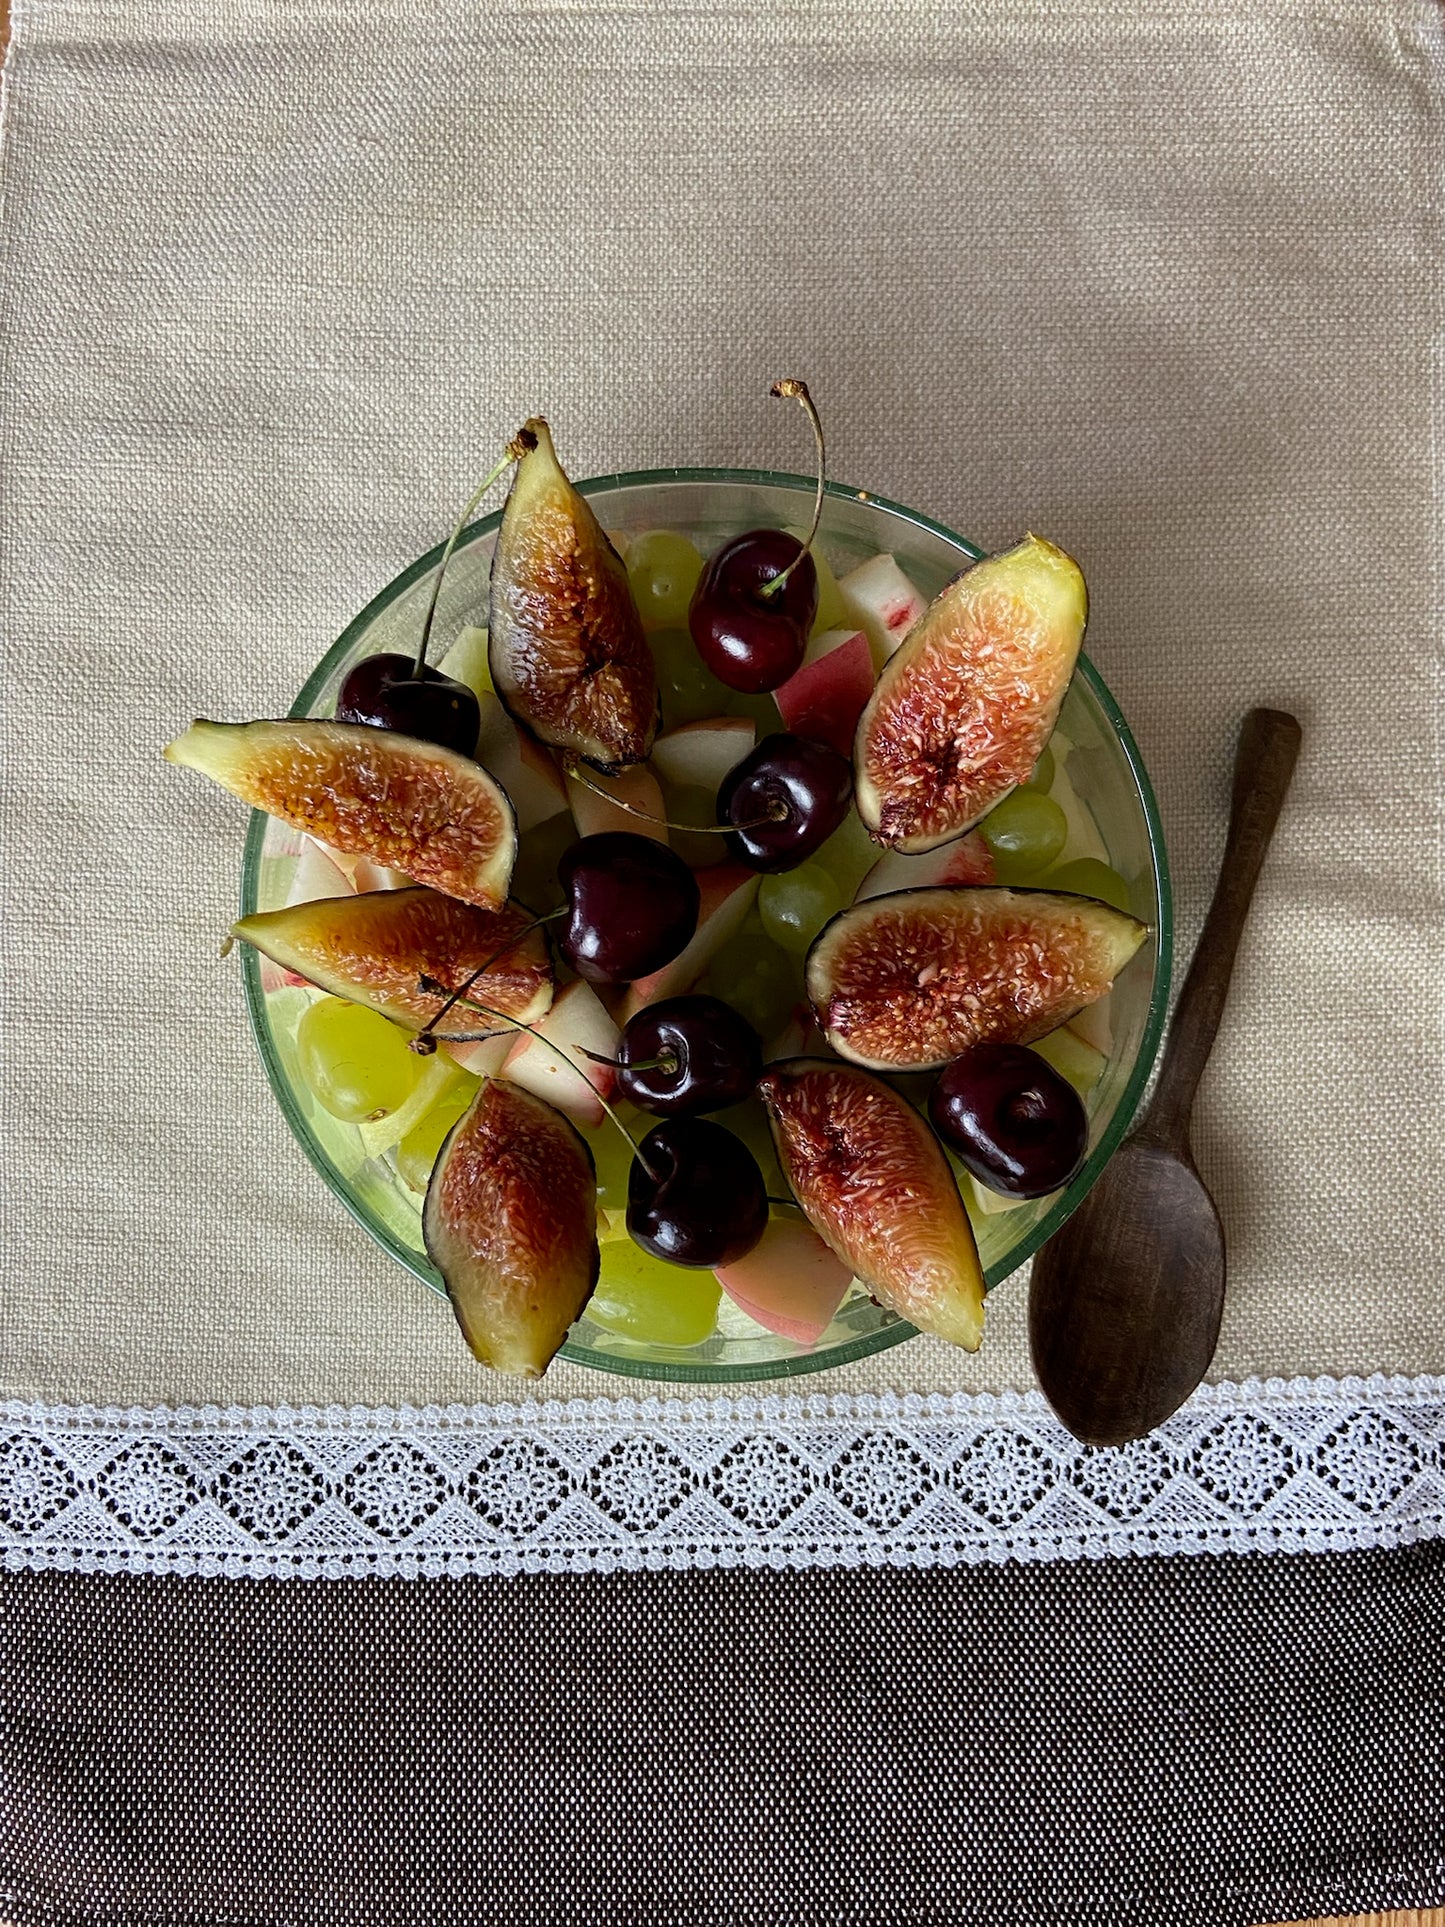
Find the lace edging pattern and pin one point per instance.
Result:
(778, 1481)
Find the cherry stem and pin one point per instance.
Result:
(788, 1204)
(791, 389)
(514, 451)
(426, 1041)
(777, 813)
(666, 1061)
(434, 988)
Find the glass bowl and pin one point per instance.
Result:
(1104, 769)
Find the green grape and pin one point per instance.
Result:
(355, 1063)
(1025, 833)
(832, 612)
(418, 1150)
(662, 569)
(690, 691)
(1088, 877)
(754, 976)
(644, 1298)
(849, 854)
(1042, 776)
(795, 904)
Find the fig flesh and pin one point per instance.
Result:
(567, 651)
(962, 711)
(875, 1185)
(912, 980)
(510, 1222)
(373, 949)
(399, 802)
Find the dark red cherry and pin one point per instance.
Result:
(695, 1195)
(385, 692)
(750, 640)
(1014, 1122)
(631, 906)
(792, 793)
(686, 1055)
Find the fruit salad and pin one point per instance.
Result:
(707, 942)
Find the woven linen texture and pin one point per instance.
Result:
(275, 281)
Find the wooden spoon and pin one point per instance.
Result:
(1125, 1299)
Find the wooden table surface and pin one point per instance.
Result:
(1432, 1916)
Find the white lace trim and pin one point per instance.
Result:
(600, 1485)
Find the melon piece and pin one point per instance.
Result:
(726, 893)
(483, 1056)
(1079, 1063)
(826, 696)
(522, 766)
(1094, 1026)
(873, 1182)
(910, 981)
(510, 1222)
(361, 874)
(699, 755)
(577, 1022)
(316, 875)
(374, 949)
(882, 602)
(368, 792)
(790, 1282)
(968, 860)
(637, 787)
(466, 661)
(963, 710)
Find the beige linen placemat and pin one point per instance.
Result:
(1161, 282)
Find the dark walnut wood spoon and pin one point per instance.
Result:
(1125, 1300)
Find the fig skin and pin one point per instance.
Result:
(566, 647)
(373, 948)
(875, 1185)
(510, 1222)
(406, 805)
(911, 980)
(962, 711)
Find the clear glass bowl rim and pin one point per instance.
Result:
(888, 1335)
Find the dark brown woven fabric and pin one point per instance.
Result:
(1172, 1741)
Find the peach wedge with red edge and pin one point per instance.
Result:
(967, 860)
(875, 1185)
(510, 1222)
(372, 793)
(791, 1282)
(962, 711)
(373, 949)
(909, 981)
(566, 648)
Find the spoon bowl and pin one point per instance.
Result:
(1125, 1301)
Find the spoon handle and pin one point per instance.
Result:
(1263, 764)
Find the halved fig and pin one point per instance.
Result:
(567, 651)
(874, 1184)
(962, 711)
(373, 949)
(368, 792)
(510, 1222)
(909, 981)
